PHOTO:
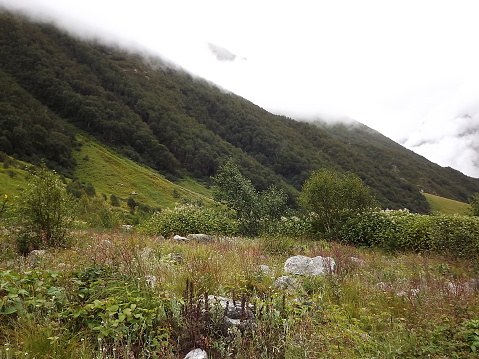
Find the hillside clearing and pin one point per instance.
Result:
(446, 206)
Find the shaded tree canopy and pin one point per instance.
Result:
(332, 196)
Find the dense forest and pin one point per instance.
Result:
(54, 86)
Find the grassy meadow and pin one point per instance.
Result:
(114, 174)
(446, 206)
(122, 295)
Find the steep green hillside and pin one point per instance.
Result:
(446, 206)
(180, 126)
(13, 177)
(30, 131)
(109, 173)
(113, 174)
(404, 163)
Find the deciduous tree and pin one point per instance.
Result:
(332, 196)
(254, 210)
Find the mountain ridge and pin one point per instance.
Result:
(184, 126)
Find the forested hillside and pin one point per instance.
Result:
(53, 86)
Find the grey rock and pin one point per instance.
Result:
(286, 282)
(234, 314)
(176, 258)
(302, 265)
(265, 269)
(200, 237)
(196, 354)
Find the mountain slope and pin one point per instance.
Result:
(179, 125)
(113, 174)
(405, 164)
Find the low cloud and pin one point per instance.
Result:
(335, 60)
(221, 53)
(453, 143)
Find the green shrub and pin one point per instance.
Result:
(44, 212)
(114, 200)
(97, 213)
(255, 211)
(333, 196)
(457, 235)
(291, 226)
(404, 231)
(470, 334)
(190, 219)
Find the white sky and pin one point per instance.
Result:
(408, 69)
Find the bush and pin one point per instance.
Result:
(190, 219)
(457, 235)
(114, 200)
(404, 231)
(333, 196)
(255, 211)
(291, 226)
(44, 213)
(97, 213)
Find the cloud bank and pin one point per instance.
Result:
(405, 68)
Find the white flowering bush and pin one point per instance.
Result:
(188, 219)
(404, 231)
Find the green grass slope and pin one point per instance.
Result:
(445, 205)
(13, 180)
(111, 173)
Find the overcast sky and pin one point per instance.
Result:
(409, 69)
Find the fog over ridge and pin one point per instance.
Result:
(407, 70)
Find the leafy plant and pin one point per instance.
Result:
(29, 292)
(189, 219)
(255, 211)
(44, 212)
(471, 334)
(474, 203)
(404, 231)
(333, 196)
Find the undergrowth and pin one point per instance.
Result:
(124, 295)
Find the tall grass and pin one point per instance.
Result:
(122, 295)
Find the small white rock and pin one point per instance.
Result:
(179, 238)
(196, 354)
